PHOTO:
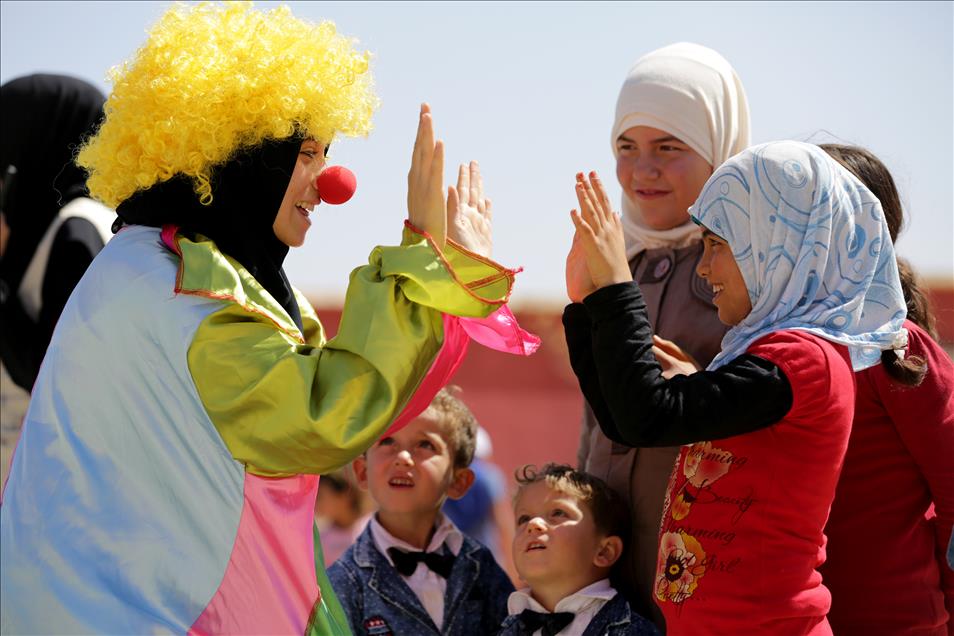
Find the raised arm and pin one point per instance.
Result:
(611, 351)
(285, 406)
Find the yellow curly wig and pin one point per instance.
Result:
(214, 79)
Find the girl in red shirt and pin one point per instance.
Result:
(894, 504)
(798, 256)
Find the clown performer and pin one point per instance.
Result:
(166, 475)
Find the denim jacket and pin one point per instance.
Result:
(615, 619)
(379, 602)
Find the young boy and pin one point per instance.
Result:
(569, 529)
(412, 571)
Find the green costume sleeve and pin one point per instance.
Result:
(327, 618)
(286, 406)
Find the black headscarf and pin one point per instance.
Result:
(43, 120)
(247, 191)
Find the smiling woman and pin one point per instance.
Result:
(660, 174)
(189, 398)
(680, 113)
(301, 197)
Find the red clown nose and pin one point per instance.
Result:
(336, 184)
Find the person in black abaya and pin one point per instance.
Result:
(51, 229)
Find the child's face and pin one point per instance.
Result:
(660, 174)
(555, 539)
(301, 196)
(411, 471)
(721, 271)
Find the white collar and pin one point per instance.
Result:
(577, 602)
(445, 532)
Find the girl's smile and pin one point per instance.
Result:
(660, 174)
(650, 194)
(729, 292)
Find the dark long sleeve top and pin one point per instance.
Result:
(23, 341)
(610, 344)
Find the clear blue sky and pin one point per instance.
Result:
(529, 90)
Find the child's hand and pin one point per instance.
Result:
(672, 359)
(601, 233)
(425, 181)
(469, 213)
(579, 283)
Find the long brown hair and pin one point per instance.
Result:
(877, 178)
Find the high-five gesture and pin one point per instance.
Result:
(469, 213)
(600, 232)
(425, 181)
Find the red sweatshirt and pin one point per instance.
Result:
(886, 568)
(741, 533)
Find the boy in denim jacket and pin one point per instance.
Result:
(412, 571)
(569, 529)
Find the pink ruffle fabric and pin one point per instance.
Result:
(499, 331)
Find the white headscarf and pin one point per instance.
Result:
(694, 94)
(813, 247)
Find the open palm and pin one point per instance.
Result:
(425, 181)
(469, 212)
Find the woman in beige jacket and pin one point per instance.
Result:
(681, 112)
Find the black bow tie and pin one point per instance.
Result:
(551, 623)
(406, 562)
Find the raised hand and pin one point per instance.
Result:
(469, 213)
(600, 232)
(425, 181)
(672, 359)
(579, 283)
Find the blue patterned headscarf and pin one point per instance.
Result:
(813, 247)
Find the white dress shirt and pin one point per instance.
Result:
(584, 604)
(428, 586)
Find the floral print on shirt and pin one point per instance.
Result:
(682, 559)
(679, 568)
